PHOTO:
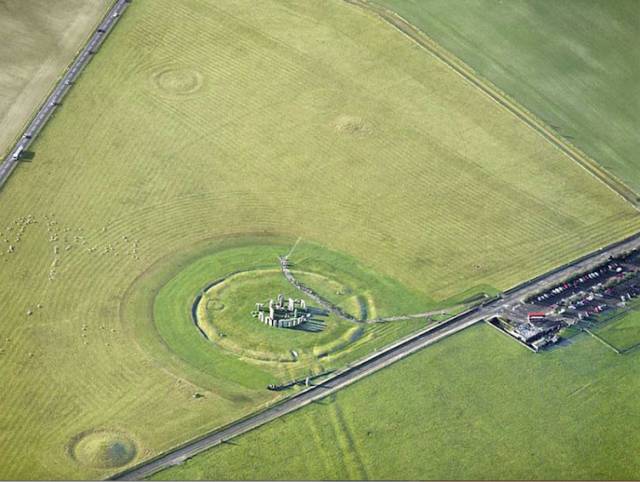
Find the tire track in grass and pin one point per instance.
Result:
(351, 457)
(320, 445)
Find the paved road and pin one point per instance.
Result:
(379, 360)
(55, 98)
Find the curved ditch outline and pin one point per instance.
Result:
(207, 287)
(211, 284)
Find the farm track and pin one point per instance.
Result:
(378, 361)
(48, 108)
(426, 42)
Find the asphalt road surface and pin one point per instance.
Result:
(379, 360)
(55, 98)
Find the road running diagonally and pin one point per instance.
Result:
(61, 89)
(379, 360)
(376, 361)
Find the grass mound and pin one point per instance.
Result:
(352, 125)
(103, 449)
(449, 195)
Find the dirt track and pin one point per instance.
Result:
(288, 274)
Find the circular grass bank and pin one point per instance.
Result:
(224, 315)
(239, 355)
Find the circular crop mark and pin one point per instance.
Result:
(102, 449)
(178, 81)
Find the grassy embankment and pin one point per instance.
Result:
(237, 342)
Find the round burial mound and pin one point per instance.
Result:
(103, 449)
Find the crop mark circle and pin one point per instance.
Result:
(178, 80)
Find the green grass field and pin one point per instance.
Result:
(572, 63)
(621, 328)
(475, 406)
(239, 348)
(202, 125)
(38, 39)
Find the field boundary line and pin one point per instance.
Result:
(602, 340)
(569, 264)
(504, 333)
(348, 375)
(369, 364)
(424, 41)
